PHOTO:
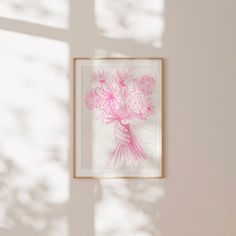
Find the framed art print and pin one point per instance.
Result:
(117, 117)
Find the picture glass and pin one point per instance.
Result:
(117, 118)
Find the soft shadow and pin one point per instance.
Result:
(33, 29)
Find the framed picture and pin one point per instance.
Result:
(117, 117)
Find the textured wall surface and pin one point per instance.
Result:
(38, 195)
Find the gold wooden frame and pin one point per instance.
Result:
(73, 116)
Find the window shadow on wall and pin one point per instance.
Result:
(35, 194)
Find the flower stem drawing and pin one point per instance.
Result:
(122, 98)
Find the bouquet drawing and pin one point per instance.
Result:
(121, 98)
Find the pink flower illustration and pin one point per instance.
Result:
(136, 102)
(122, 98)
(146, 84)
(109, 100)
(150, 110)
(100, 76)
(123, 78)
(93, 101)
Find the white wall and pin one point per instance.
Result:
(197, 196)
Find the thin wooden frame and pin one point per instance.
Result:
(73, 114)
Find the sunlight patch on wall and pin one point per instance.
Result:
(128, 209)
(139, 20)
(34, 95)
(54, 13)
(100, 52)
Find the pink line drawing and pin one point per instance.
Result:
(121, 98)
